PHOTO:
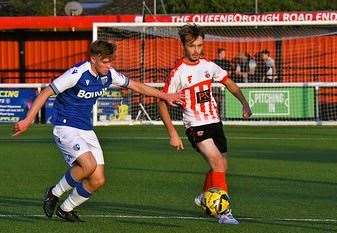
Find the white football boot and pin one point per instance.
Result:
(198, 199)
(227, 218)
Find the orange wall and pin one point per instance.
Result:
(310, 60)
(9, 61)
(55, 56)
(303, 60)
(47, 54)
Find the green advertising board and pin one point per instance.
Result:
(273, 102)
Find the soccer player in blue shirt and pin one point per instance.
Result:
(77, 91)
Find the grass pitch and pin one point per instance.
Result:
(281, 179)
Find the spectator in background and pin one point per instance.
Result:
(260, 68)
(269, 66)
(221, 60)
(251, 68)
(241, 67)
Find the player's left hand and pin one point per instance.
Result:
(175, 99)
(246, 111)
(20, 127)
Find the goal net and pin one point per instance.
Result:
(287, 71)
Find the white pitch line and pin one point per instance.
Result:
(236, 138)
(176, 217)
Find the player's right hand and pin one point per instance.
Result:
(176, 142)
(175, 99)
(20, 127)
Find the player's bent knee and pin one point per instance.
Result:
(101, 182)
(97, 182)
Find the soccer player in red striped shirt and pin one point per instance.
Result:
(193, 76)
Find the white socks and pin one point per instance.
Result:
(65, 184)
(72, 201)
(61, 187)
(76, 198)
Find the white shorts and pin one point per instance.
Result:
(74, 142)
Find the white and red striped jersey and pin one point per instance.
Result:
(194, 81)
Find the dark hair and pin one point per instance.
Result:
(220, 50)
(102, 48)
(265, 51)
(190, 32)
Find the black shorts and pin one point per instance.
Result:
(200, 133)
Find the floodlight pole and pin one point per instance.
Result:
(256, 6)
(54, 7)
(54, 12)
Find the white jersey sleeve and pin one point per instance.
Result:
(66, 80)
(172, 83)
(118, 79)
(218, 74)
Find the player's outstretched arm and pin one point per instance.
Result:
(171, 99)
(24, 124)
(175, 140)
(235, 90)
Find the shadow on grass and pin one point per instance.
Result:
(281, 179)
(159, 170)
(150, 224)
(20, 202)
(30, 205)
(306, 154)
(304, 226)
(135, 209)
(230, 174)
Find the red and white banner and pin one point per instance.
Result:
(236, 17)
(85, 22)
(61, 22)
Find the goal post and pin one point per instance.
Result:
(300, 88)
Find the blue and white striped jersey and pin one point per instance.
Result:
(77, 91)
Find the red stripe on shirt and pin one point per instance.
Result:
(192, 97)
